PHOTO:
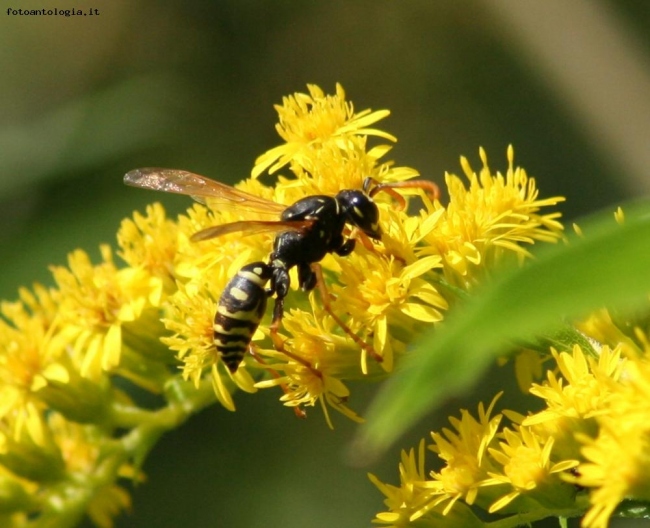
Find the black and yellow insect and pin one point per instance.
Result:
(239, 312)
(306, 231)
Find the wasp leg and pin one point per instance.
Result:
(278, 312)
(306, 277)
(300, 413)
(278, 342)
(280, 283)
(325, 297)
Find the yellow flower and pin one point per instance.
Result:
(314, 362)
(387, 299)
(575, 399)
(433, 499)
(95, 302)
(24, 362)
(494, 218)
(617, 467)
(150, 241)
(617, 463)
(327, 150)
(401, 500)
(333, 167)
(36, 372)
(308, 120)
(463, 451)
(584, 395)
(107, 503)
(528, 469)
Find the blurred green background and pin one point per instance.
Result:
(191, 85)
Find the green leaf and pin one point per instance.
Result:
(608, 266)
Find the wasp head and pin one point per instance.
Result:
(360, 211)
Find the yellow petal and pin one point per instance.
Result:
(421, 312)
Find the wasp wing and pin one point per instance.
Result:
(250, 227)
(200, 188)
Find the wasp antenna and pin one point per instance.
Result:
(368, 185)
(388, 189)
(427, 186)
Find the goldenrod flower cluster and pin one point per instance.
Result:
(72, 433)
(585, 451)
(584, 454)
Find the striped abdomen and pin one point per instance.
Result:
(239, 312)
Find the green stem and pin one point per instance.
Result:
(524, 519)
(68, 502)
(178, 409)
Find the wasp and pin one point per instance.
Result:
(305, 233)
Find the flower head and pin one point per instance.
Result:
(617, 463)
(150, 241)
(306, 121)
(432, 498)
(576, 398)
(495, 217)
(464, 451)
(529, 470)
(95, 302)
(388, 299)
(400, 500)
(313, 363)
